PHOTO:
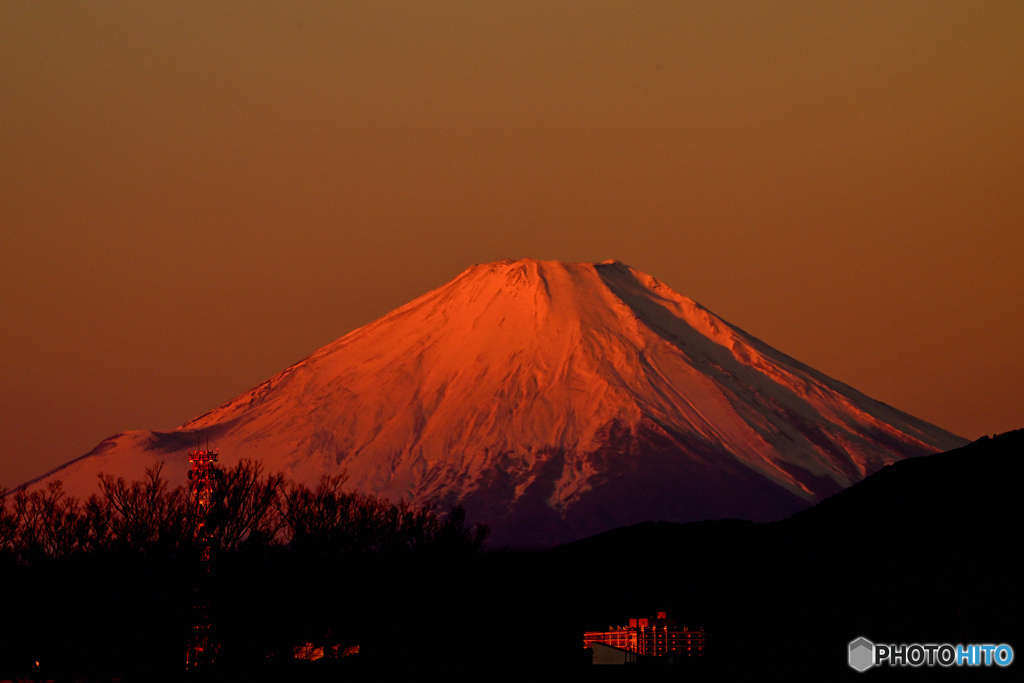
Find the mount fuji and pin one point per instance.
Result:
(554, 401)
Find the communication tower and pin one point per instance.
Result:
(201, 648)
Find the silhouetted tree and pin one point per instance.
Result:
(288, 562)
(244, 509)
(141, 514)
(50, 524)
(9, 523)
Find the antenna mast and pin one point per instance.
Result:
(201, 648)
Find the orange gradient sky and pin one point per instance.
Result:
(195, 195)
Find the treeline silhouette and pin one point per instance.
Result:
(249, 511)
(106, 587)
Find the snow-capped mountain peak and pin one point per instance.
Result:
(554, 400)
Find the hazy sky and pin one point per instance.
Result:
(195, 195)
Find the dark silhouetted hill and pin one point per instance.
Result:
(925, 550)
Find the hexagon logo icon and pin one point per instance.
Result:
(862, 654)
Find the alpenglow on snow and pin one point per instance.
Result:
(554, 401)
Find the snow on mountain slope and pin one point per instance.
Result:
(554, 400)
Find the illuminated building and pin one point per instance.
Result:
(657, 636)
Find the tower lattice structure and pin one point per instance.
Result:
(202, 648)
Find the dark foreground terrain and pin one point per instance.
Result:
(923, 551)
